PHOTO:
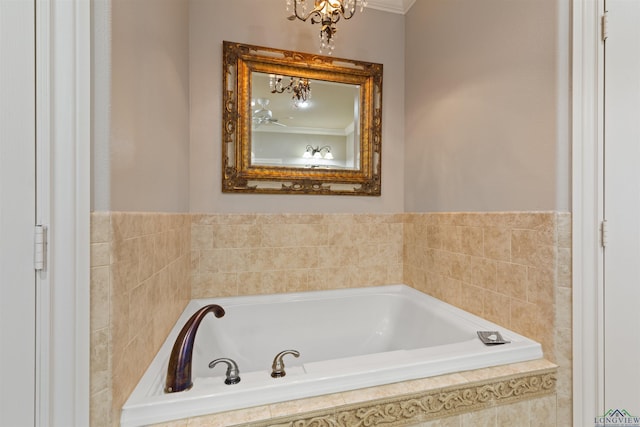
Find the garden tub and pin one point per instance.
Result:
(346, 339)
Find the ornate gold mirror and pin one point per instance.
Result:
(299, 123)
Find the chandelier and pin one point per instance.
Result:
(299, 87)
(325, 12)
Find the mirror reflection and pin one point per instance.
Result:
(304, 123)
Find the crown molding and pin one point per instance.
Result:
(393, 6)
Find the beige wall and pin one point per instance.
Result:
(484, 87)
(147, 48)
(486, 107)
(371, 36)
(156, 59)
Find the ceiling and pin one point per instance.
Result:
(395, 6)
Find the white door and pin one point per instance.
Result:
(622, 208)
(17, 213)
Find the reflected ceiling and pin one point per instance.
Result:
(331, 105)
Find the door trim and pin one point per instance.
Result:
(17, 213)
(63, 87)
(587, 203)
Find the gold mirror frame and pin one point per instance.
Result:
(240, 176)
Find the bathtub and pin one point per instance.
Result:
(347, 339)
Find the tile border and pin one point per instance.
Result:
(426, 405)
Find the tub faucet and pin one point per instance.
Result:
(233, 373)
(277, 368)
(179, 371)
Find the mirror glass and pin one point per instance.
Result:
(300, 123)
(320, 131)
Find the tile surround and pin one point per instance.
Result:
(512, 268)
(258, 254)
(140, 283)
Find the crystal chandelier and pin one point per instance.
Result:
(300, 88)
(325, 12)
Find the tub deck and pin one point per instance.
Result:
(406, 403)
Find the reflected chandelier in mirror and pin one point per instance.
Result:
(299, 123)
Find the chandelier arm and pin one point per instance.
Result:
(327, 13)
(343, 12)
(349, 15)
(315, 11)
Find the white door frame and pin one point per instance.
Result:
(587, 207)
(63, 135)
(17, 213)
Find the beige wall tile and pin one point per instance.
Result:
(296, 252)
(99, 361)
(472, 241)
(206, 285)
(511, 280)
(100, 409)
(202, 237)
(100, 254)
(147, 272)
(527, 288)
(483, 273)
(99, 298)
(503, 266)
(483, 418)
(455, 421)
(434, 236)
(564, 267)
(231, 418)
(514, 415)
(472, 299)
(497, 243)
(524, 319)
(524, 247)
(242, 235)
(497, 308)
(543, 412)
(564, 230)
(306, 405)
(100, 227)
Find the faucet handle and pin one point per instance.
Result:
(233, 373)
(278, 364)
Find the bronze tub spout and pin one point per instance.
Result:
(179, 371)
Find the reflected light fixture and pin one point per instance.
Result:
(300, 88)
(318, 152)
(324, 12)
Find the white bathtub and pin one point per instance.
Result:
(347, 339)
